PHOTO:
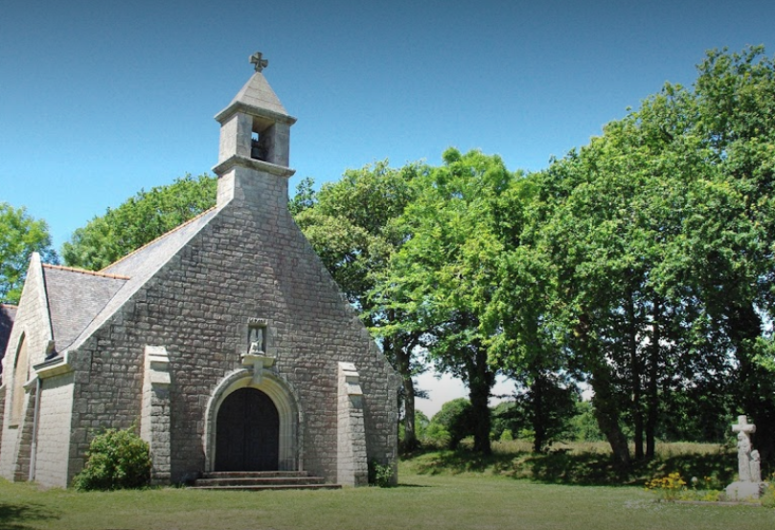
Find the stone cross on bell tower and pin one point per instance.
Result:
(258, 62)
(255, 144)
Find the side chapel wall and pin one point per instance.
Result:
(33, 327)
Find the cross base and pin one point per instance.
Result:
(741, 491)
(257, 363)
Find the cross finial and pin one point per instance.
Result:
(258, 61)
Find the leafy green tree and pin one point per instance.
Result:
(138, 221)
(614, 229)
(20, 236)
(506, 416)
(304, 198)
(351, 224)
(421, 422)
(548, 404)
(735, 96)
(656, 240)
(583, 425)
(454, 422)
(443, 277)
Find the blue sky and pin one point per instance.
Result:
(99, 99)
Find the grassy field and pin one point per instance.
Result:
(450, 497)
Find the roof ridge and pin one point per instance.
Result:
(165, 234)
(87, 272)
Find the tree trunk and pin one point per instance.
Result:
(539, 431)
(635, 378)
(607, 415)
(480, 382)
(655, 349)
(403, 358)
(410, 433)
(605, 401)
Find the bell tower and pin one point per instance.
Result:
(254, 147)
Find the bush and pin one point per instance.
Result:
(116, 459)
(381, 475)
(436, 436)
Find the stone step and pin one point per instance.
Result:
(268, 481)
(256, 474)
(261, 480)
(265, 487)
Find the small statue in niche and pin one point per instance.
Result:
(256, 339)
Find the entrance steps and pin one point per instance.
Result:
(262, 480)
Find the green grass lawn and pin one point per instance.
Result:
(454, 499)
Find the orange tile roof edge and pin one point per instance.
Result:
(165, 234)
(83, 271)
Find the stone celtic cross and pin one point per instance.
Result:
(258, 61)
(742, 425)
(744, 448)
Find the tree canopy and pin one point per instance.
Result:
(139, 220)
(658, 237)
(20, 236)
(352, 225)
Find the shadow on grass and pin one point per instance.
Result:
(14, 516)
(578, 468)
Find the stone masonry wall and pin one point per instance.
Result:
(53, 437)
(250, 261)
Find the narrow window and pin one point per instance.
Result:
(20, 375)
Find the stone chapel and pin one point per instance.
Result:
(225, 341)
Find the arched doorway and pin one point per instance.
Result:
(247, 432)
(285, 401)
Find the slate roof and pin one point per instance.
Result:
(7, 316)
(75, 297)
(139, 267)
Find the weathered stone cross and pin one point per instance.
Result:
(743, 430)
(258, 61)
(743, 426)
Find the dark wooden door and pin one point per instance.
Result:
(248, 437)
